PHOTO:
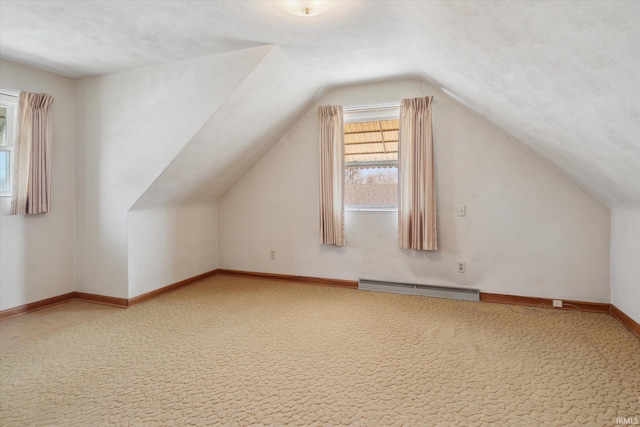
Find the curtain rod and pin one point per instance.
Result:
(357, 108)
(9, 92)
(370, 107)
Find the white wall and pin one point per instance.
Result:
(528, 230)
(130, 127)
(625, 260)
(170, 244)
(37, 252)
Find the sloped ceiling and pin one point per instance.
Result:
(561, 77)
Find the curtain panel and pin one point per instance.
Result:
(31, 192)
(331, 175)
(416, 177)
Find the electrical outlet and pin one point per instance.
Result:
(461, 266)
(557, 303)
(273, 254)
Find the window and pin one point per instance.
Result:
(371, 157)
(8, 108)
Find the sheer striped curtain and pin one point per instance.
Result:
(32, 175)
(331, 175)
(416, 178)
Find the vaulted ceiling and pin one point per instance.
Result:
(563, 78)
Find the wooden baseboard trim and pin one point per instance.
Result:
(37, 305)
(152, 294)
(100, 299)
(627, 321)
(594, 307)
(350, 284)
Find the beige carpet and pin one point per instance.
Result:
(229, 351)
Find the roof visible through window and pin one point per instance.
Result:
(371, 144)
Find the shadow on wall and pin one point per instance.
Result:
(34, 263)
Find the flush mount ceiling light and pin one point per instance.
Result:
(304, 8)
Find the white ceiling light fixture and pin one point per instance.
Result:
(304, 8)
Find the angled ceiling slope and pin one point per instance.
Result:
(561, 77)
(126, 142)
(255, 116)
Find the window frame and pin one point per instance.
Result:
(9, 101)
(370, 113)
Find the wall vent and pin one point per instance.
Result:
(424, 290)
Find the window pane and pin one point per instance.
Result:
(4, 171)
(3, 126)
(375, 187)
(371, 160)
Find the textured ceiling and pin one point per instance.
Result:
(561, 77)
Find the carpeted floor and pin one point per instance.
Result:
(230, 351)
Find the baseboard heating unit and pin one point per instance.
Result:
(424, 290)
